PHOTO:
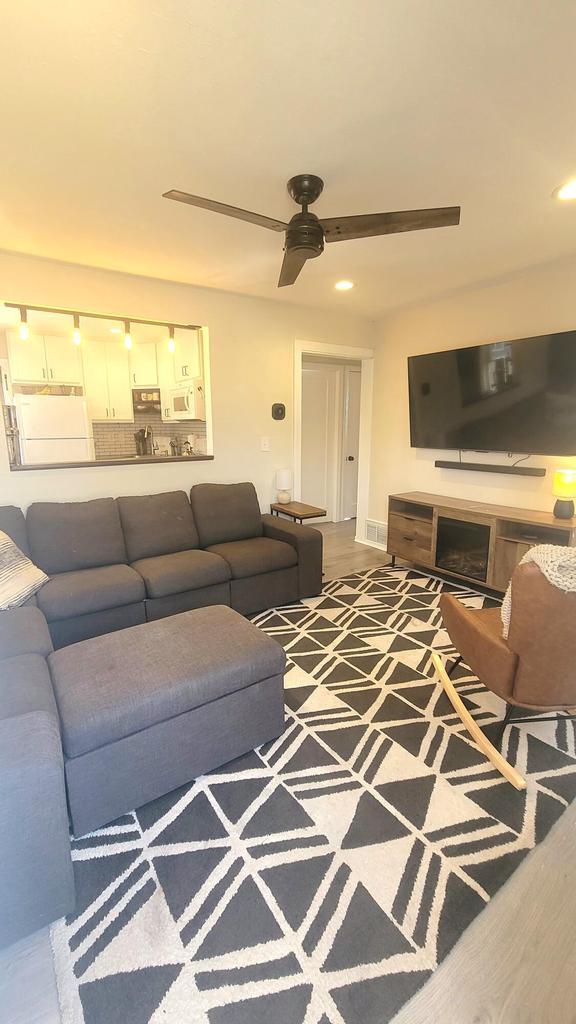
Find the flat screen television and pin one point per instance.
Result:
(509, 396)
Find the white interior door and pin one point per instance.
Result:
(320, 385)
(350, 443)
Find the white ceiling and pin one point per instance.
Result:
(397, 104)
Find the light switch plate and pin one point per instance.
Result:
(264, 444)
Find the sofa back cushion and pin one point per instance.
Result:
(13, 523)
(157, 524)
(225, 512)
(65, 536)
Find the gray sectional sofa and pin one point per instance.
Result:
(36, 878)
(119, 562)
(110, 723)
(93, 730)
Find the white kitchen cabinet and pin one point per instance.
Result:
(143, 367)
(63, 364)
(27, 359)
(187, 356)
(44, 359)
(119, 387)
(166, 379)
(107, 381)
(95, 379)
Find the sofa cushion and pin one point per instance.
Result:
(256, 556)
(116, 685)
(225, 512)
(13, 523)
(24, 631)
(25, 686)
(181, 571)
(65, 536)
(90, 590)
(157, 524)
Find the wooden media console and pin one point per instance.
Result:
(471, 540)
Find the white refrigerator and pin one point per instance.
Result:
(53, 428)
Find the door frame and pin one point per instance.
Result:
(345, 395)
(366, 358)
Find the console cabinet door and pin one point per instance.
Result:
(63, 364)
(27, 359)
(119, 388)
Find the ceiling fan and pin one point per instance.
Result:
(306, 234)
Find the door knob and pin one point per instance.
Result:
(350, 458)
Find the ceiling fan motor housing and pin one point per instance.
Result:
(305, 188)
(304, 234)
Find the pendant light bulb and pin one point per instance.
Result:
(171, 344)
(127, 336)
(24, 330)
(76, 336)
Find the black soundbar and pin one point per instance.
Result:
(486, 467)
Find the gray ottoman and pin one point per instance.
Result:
(147, 709)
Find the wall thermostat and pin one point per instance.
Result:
(278, 411)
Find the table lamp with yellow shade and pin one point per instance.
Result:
(564, 490)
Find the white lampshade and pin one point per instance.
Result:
(284, 479)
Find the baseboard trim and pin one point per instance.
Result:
(370, 543)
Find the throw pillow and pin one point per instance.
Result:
(19, 577)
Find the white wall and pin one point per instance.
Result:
(251, 343)
(537, 302)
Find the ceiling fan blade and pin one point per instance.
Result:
(229, 211)
(291, 266)
(337, 229)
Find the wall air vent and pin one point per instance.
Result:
(376, 532)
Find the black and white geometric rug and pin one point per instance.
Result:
(321, 879)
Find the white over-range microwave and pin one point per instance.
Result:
(187, 401)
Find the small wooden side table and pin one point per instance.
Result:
(297, 510)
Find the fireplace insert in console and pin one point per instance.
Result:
(462, 547)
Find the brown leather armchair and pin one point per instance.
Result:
(535, 668)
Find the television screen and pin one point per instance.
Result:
(510, 396)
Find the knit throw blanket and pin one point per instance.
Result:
(558, 565)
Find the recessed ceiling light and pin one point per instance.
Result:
(344, 286)
(566, 191)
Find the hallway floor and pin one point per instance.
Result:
(342, 554)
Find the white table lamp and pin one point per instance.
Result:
(283, 485)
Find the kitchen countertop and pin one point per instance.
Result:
(134, 461)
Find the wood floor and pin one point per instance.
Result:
(513, 965)
(343, 555)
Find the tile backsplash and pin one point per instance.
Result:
(116, 440)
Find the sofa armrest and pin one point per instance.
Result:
(36, 879)
(308, 544)
(24, 631)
